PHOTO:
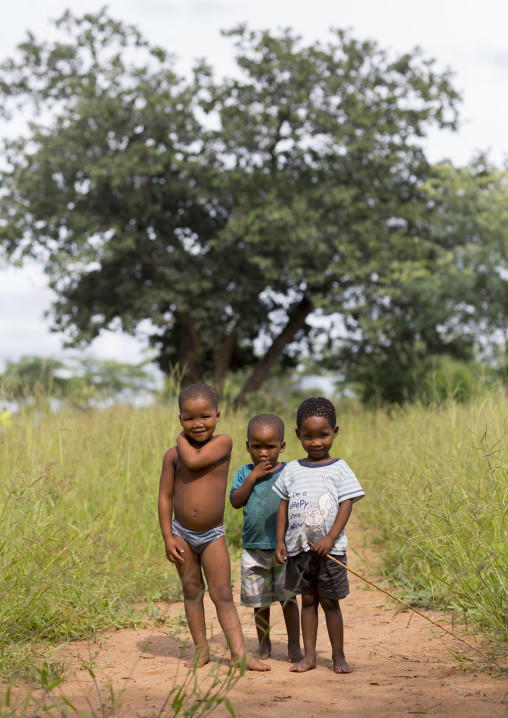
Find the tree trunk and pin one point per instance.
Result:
(223, 359)
(189, 350)
(296, 321)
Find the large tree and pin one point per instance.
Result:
(308, 195)
(327, 172)
(110, 189)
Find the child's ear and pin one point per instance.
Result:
(297, 432)
(218, 416)
(247, 445)
(335, 432)
(282, 447)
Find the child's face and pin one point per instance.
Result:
(317, 437)
(264, 444)
(198, 419)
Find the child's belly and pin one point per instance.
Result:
(199, 510)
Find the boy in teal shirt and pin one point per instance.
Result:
(262, 577)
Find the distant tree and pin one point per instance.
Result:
(33, 376)
(109, 378)
(80, 380)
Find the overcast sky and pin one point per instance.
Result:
(468, 37)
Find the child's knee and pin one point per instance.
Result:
(329, 604)
(308, 599)
(193, 590)
(221, 594)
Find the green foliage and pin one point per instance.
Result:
(430, 379)
(33, 376)
(327, 174)
(311, 194)
(80, 540)
(446, 377)
(79, 530)
(436, 506)
(80, 381)
(451, 305)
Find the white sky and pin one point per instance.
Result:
(468, 37)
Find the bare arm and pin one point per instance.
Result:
(281, 553)
(211, 453)
(166, 490)
(324, 545)
(240, 497)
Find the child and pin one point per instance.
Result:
(193, 484)
(262, 577)
(317, 495)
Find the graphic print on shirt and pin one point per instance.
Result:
(314, 516)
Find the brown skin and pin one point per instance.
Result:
(264, 446)
(193, 483)
(317, 437)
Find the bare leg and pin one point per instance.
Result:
(292, 619)
(310, 603)
(217, 568)
(335, 628)
(262, 621)
(193, 589)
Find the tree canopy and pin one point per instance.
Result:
(454, 306)
(229, 212)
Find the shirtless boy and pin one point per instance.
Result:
(193, 485)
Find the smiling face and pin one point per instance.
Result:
(264, 443)
(198, 419)
(317, 437)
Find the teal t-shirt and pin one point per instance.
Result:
(260, 511)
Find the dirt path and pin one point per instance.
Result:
(401, 668)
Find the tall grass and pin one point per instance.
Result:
(79, 536)
(80, 540)
(437, 501)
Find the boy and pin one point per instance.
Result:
(263, 578)
(193, 484)
(317, 495)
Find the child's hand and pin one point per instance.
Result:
(174, 550)
(281, 554)
(261, 470)
(323, 546)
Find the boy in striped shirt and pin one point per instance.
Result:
(317, 495)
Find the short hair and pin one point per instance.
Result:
(198, 391)
(316, 406)
(269, 420)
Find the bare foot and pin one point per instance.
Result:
(340, 665)
(201, 658)
(306, 664)
(265, 649)
(294, 654)
(251, 663)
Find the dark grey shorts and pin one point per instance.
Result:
(307, 571)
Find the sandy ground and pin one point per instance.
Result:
(401, 667)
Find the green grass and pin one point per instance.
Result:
(437, 502)
(79, 533)
(80, 540)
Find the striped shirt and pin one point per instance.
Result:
(315, 492)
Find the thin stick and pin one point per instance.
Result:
(442, 628)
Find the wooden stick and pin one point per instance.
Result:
(442, 628)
